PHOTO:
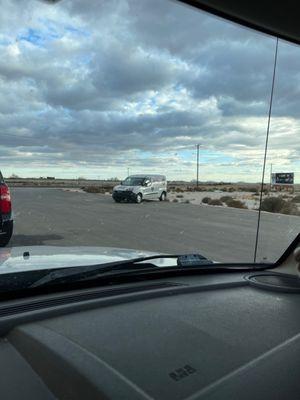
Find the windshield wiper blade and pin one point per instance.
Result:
(80, 273)
(184, 262)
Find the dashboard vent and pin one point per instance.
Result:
(33, 305)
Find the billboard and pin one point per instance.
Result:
(283, 178)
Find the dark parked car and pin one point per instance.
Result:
(6, 220)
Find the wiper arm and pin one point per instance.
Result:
(81, 273)
(188, 261)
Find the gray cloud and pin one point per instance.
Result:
(110, 80)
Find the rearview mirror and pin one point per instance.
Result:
(147, 182)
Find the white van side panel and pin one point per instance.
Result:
(160, 187)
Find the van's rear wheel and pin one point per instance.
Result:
(163, 196)
(138, 198)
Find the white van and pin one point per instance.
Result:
(141, 187)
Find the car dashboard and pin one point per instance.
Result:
(220, 336)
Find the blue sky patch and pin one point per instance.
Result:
(205, 156)
(77, 31)
(38, 37)
(33, 36)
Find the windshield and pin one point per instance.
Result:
(95, 95)
(133, 181)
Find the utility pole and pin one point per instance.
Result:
(198, 146)
(127, 171)
(271, 177)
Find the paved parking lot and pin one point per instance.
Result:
(55, 217)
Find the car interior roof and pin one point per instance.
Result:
(276, 18)
(279, 18)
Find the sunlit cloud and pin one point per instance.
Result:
(93, 89)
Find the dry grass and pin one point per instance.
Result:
(290, 209)
(296, 199)
(215, 202)
(206, 200)
(224, 199)
(272, 204)
(236, 204)
(279, 205)
(96, 189)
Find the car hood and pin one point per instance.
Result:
(123, 187)
(16, 259)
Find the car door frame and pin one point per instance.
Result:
(147, 190)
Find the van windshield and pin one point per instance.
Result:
(133, 181)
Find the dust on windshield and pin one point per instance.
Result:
(92, 93)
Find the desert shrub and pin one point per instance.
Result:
(252, 190)
(272, 204)
(179, 196)
(296, 199)
(107, 188)
(179, 190)
(230, 189)
(235, 204)
(226, 198)
(175, 200)
(186, 201)
(290, 208)
(215, 202)
(206, 200)
(94, 189)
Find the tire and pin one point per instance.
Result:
(163, 196)
(117, 200)
(5, 238)
(138, 198)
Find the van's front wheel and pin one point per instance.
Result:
(138, 198)
(163, 196)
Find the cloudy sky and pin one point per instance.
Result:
(93, 88)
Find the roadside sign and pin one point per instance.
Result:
(283, 178)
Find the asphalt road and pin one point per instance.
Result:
(55, 217)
